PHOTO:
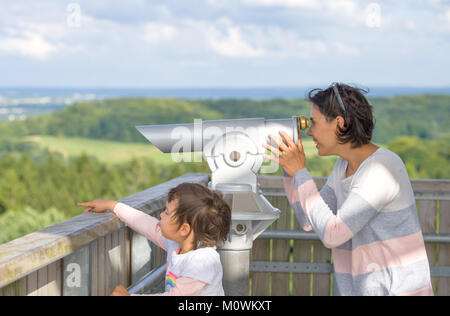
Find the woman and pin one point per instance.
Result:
(366, 211)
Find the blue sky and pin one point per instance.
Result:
(224, 43)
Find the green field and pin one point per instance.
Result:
(111, 152)
(105, 151)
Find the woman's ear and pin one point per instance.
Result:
(340, 122)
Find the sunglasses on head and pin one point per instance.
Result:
(338, 96)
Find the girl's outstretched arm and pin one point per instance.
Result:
(144, 224)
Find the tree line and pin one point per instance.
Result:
(426, 117)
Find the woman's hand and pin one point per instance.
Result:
(291, 157)
(98, 206)
(119, 291)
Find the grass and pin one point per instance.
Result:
(111, 152)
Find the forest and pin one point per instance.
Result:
(40, 187)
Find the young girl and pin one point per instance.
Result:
(194, 222)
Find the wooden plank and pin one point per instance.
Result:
(114, 258)
(108, 285)
(301, 253)
(123, 259)
(76, 273)
(260, 281)
(43, 281)
(321, 282)
(427, 219)
(32, 284)
(444, 249)
(54, 280)
(442, 185)
(17, 288)
(9, 290)
(281, 248)
(101, 286)
(94, 268)
(127, 257)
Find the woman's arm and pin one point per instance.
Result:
(327, 194)
(355, 212)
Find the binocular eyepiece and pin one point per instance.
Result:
(302, 123)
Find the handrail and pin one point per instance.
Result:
(29, 253)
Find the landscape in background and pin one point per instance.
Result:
(61, 147)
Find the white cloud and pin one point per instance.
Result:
(447, 16)
(345, 50)
(232, 44)
(283, 3)
(30, 44)
(348, 7)
(156, 33)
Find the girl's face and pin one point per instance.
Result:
(323, 132)
(168, 223)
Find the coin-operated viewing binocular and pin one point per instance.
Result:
(233, 148)
(234, 152)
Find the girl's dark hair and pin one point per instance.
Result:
(204, 210)
(358, 117)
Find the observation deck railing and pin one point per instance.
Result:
(92, 253)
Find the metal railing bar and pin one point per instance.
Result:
(302, 235)
(149, 281)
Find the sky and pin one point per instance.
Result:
(224, 43)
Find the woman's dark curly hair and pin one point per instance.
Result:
(358, 117)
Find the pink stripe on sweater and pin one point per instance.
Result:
(308, 194)
(380, 255)
(336, 233)
(293, 197)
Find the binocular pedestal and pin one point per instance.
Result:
(236, 271)
(251, 215)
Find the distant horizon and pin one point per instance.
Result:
(18, 103)
(19, 96)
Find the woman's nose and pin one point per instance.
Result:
(309, 133)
